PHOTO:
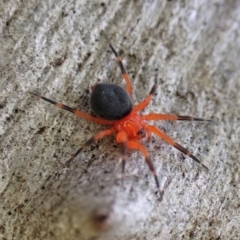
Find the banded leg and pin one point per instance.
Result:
(74, 111)
(121, 138)
(159, 116)
(138, 146)
(147, 100)
(120, 64)
(92, 140)
(170, 141)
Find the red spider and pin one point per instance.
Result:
(113, 106)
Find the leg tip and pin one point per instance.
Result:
(122, 180)
(105, 36)
(159, 193)
(67, 164)
(206, 168)
(35, 94)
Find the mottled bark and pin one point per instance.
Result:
(55, 48)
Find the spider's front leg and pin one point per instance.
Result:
(92, 140)
(121, 139)
(135, 144)
(125, 144)
(170, 141)
(160, 116)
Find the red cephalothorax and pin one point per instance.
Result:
(132, 125)
(113, 106)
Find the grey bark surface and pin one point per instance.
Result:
(55, 48)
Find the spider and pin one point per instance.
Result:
(113, 106)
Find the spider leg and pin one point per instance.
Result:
(170, 141)
(123, 156)
(120, 64)
(121, 138)
(159, 116)
(74, 111)
(92, 140)
(134, 144)
(147, 100)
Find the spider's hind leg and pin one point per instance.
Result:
(74, 111)
(140, 106)
(119, 61)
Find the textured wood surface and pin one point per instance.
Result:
(55, 48)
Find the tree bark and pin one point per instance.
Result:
(56, 48)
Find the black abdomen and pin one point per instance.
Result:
(110, 101)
